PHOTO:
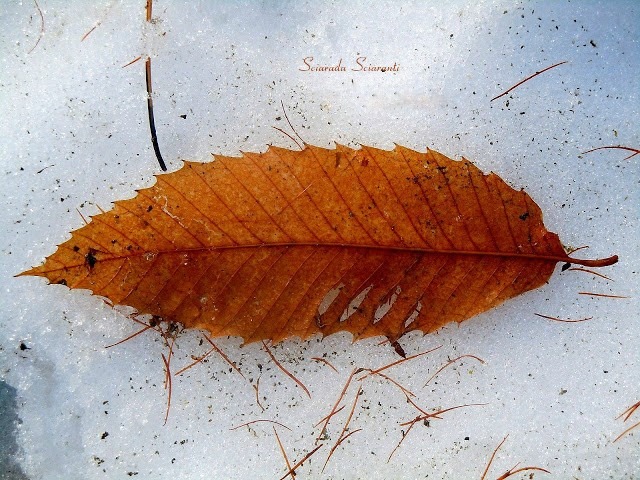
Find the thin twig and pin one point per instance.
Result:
(44, 168)
(526, 79)
(152, 122)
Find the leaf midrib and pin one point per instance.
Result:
(519, 255)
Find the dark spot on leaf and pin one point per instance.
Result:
(524, 216)
(90, 258)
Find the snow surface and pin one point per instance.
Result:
(75, 130)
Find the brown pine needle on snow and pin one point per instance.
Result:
(580, 269)
(525, 80)
(626, 431)
(402, 360)
(131, 62)
(618, 147)
(334, 409)
(284, 453)
(440, 412)
(287, 372)
(592, 294)
(327, 362)
(41, 34)
(260, 421)
(556, 319)
(513, 470)
(304, 459)
(451, 362)
(342, 436)
(627, 414)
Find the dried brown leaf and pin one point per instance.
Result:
(293, 243)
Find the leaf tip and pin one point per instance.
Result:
(274, 149)
(402, 150)
(31, 272)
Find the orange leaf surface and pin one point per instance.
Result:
(292, 243)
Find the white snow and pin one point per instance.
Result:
(75, 136)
